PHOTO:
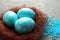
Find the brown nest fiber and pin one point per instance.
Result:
(10, 34)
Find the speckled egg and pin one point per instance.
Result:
(26, 12)
(9, 18)
(24, 25)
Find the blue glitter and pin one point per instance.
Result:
(52, 27)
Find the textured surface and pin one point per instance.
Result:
(51, 7)
(40, 20)
(52, 28)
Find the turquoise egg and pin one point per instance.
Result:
(26, 12)
(9, 18)
(24, 25)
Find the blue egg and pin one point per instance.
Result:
(9, 18)
(24, 25)
(26, 12)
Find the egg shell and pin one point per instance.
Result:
(9, 18)
(26, 12)
(24, 25)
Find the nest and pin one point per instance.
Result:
(10, 34)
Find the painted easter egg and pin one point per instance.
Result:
(24, 25)
(26, 12)
(9, 18)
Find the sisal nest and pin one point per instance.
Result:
(10, 34)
